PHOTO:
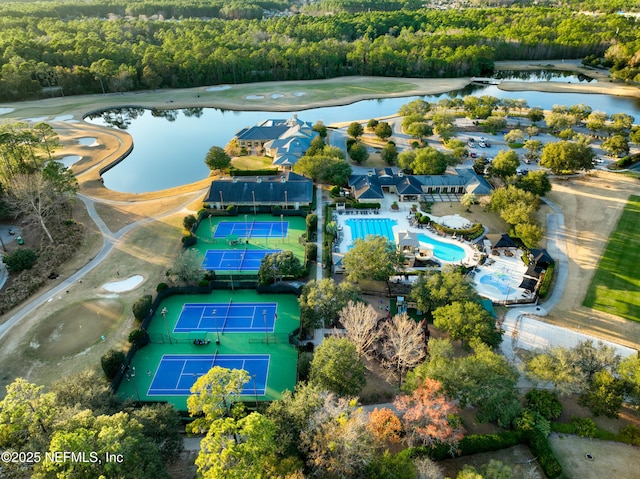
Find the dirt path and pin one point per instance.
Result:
(591, 207)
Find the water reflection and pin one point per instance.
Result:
(543, 75)
(170, 145)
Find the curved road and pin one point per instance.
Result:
(109, 240)
(521, 328)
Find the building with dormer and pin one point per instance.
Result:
(283, 140)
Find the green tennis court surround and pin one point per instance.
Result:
(237, 245)
(184, 346)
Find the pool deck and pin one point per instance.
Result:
(510, 271)
(403, 223)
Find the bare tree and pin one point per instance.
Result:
(360, 320)
(32, 195)
(187, 267)
(404, 345)
(428, 469)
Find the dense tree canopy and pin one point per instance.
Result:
(505, 164)
(483, 379)
(372, 258)
(56, 48)
(79, 415)
(322, 300)
(336, 367)
(567, 156)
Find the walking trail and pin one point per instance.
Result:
(109, 241)
(523, 329)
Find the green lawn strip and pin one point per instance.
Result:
(314, 93)
(283, 356)
(615, 287)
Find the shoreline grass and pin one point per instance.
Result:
(615, 288)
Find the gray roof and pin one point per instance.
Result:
(366, 187)
(242, 190)
(369, 186)
(261, 133)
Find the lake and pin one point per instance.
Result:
(170, 145)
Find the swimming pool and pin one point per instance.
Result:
(496, 282)
(443, 251)
(361, 227)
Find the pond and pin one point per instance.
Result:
(542, 75)
(170, 145)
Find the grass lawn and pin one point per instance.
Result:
(290, 93)
(615, 288)
(251, 162)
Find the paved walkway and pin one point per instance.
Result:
(523, 329)
(109, 240)
(319, 231)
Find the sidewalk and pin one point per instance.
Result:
(522, 329)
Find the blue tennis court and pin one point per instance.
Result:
(234, 260)
(227, 317)
(176, 373)
(254, 229)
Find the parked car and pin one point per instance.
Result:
(473, 154)
(11, 231)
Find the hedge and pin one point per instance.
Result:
(540, 447)
(474, 232)
(472, 444)
(260, 172)
(546, 281)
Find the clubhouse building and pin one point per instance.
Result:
(372, 186)
(283, 140)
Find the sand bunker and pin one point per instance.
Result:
(299, 93)
(219, 88)
(88, 141)
(36, 119)
(63, 118)
(255, 97)
(275, 96)
(69, 160)
(124, 285)
(4, 111)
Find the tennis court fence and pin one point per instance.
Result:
(275, 338)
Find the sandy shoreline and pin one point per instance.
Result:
(212, 97)
(601, 196)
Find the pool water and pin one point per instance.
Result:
(361, 227)
(443, 251)
(493, 280)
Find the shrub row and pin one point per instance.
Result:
(260, 172)
(472, 444)
(474, 232)
(540, 447)
(545, 286)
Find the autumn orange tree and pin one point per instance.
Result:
(384, 425)
(429, 416)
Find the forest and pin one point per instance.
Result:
(66, 48)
